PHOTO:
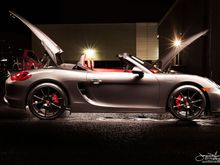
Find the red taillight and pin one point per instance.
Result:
(21, 76)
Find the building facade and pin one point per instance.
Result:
(108, 39)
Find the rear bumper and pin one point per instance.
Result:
(5, 100)
(15, 94)
(14, 103)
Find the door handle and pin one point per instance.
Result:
(96, 81)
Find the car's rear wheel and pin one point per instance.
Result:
(47, 101)
(187, 102)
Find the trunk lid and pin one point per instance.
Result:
(53, 50)
(166, 59)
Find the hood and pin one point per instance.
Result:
(166, 59)
(53, 50)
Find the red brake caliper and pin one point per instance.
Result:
(55, 98)
(178, 102)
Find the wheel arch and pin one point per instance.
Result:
(48, 81)
(207, 109)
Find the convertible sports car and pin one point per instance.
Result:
(138, 87)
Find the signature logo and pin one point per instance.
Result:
(208, 158)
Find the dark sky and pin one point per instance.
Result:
(82, 11)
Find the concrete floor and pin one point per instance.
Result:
(104, 138)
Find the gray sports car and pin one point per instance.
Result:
(138, 87)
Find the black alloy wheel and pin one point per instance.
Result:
(47, 101)
(187, 102)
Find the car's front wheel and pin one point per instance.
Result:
(187, 102)
(46, 101)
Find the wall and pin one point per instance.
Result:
(214, 40)
(107, 39)
(146, 41)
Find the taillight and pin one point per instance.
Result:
(21, 76)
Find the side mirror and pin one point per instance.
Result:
(136, 70)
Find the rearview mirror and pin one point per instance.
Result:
(136, 70)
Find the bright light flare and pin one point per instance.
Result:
(177, 42)
(90, 53)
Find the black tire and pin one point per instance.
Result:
(187, 102)
(47, 101)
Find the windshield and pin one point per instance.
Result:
(146, 64)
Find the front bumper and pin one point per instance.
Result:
(214, 98)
